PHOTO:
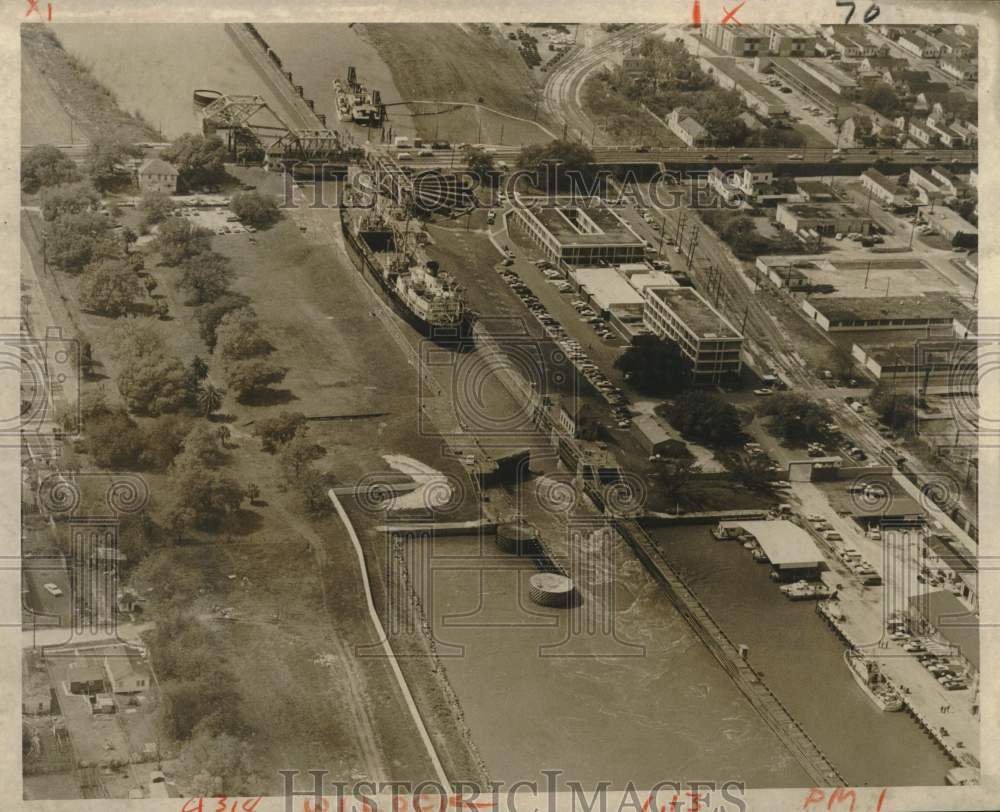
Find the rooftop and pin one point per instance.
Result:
(585, 224)
(785, 544)
(728, 66)
(886, 183)
(822, 211)
(871, 308)
(695, 312)
(157, 166)
(790, 65)
(814, 188)
(607, 287)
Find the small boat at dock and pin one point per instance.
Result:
(873, 682)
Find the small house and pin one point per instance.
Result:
(125, 676)
(156, 175)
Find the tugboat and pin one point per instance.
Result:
(356, 103)
(873, 682)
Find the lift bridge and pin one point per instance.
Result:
(254, 129)
(430, 190)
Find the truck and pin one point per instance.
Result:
(401, 142)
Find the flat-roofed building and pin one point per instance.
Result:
(791, 40)
(737, 40)
(580, 233)
(920, 360)
(834, 78)
(820, 93)
(883, 189)
(704, 335)
(836, 313)
(951, 225)
(605, 288)
(757, 97)
(790, 550)
(826, 219)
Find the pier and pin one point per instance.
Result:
(768, 706)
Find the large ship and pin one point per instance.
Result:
(873, 682)
(426, 296)
(356, 103)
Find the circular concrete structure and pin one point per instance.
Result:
(203, 98)
(517, 537)
(552, 589)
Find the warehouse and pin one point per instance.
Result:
(826, 219)
(885, 312)
(789, 549)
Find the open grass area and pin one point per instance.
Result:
(60, 98)
(446, 62)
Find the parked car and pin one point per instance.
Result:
(795, 156)
(52, 589)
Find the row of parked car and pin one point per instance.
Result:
(941, 668)
(573, 350)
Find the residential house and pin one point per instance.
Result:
(949, 181)
(881, 64)
(883, 189)
(156, 175)
(126, 675)
(928, 188)
(687, 128)
(917, 44)
(945, 134)
(960, 68)
(791, 40)
(920, 133)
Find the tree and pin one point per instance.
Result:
(201, 448)
(218, 765)
(113, 439)
(313, 486)
(253, 492)
(278, 430)
(46, 165)
(106, 162)
(210, 398)
(298, 453)
(152, 384)
(210, 315)
(205, 277)
(211, 495)
(249, 378)
(108, 288)
(672, 474)
(753, 471)
(480, 163)
(841, 362)
(239, 337)
(795, 418)
(200, 160)
(178, 521)
(898, 410)
(881, 97)
(656, 368)
(163, 440)
(179, 239)
(254, 209)
(705, 417)
(129, 238)
(134, 337)
(74, 240)
(204, 701)
(558, 165)
(156, 207)
(69, 198)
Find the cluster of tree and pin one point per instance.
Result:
(241, 346)
(109, 287)
(115, 441)
(200, 160)
(656, 367)
(204, 497)
(107, 163)
(151, 380)
(255, 209)
(895, 409)
(155, 207)
(287, 435)
(481, 164)
(740, 233)
(559, 166)
(705, 417)
(205, 277)
(46, 165)
(69, 198)
(198, 693)
(795, 418)
(882, 98)
(178, 239)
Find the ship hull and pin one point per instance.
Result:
(882, 703)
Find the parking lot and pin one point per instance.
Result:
(219, 220)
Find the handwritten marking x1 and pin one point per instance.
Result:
(731, 15)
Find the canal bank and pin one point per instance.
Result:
(801, 660)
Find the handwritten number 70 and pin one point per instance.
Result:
(870, 13)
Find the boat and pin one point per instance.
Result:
(805, 591)
(726, 532)
(427, 297)
(759, 556)
(873, 682)
(356, 103)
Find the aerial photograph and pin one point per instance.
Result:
(458, 405)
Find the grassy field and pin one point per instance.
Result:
(623, 121)
(57, 89)
(446, 62)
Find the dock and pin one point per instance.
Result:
(775, 715)
(704, 517)
(441, 528)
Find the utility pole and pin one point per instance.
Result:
(746, 315)
(565, 126)
(913, 230)
(501, 132)
(867, 273)
(680, 226)
(663, 227)
(694, 244)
